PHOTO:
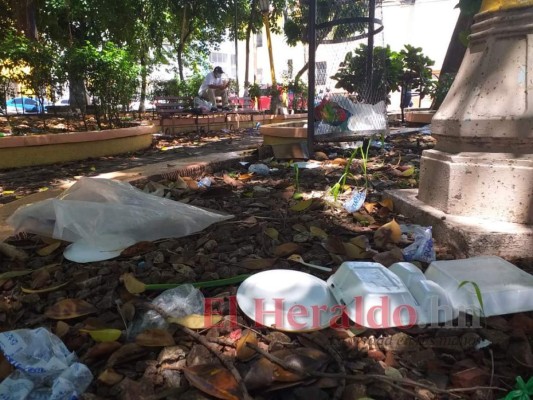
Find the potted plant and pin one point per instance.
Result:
(254, 91)
(406, 71)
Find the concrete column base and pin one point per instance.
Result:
(496, 186)
(466, 236)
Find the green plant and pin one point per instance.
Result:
(387, 68)
(439, 91)
(254, 90)
(522, 391)
(335, 190)
(478, 294)
(297, 177)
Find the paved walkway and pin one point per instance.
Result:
(238, 147)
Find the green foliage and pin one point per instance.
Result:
(174, 87)
(110, 73)
(522, 391)
(479, 296)
(387, 70)
(254, 90)
(417, 74)
(295, 27)
(406, 70)
(439, 91)
(469, 7)
(336, 189)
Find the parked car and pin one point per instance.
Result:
(23, 105)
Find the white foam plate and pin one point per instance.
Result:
(105, 248)
(288, 300)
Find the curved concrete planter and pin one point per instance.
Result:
(23, 151)
(420, 116)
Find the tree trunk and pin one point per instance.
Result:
(144, 73)
(247, 62)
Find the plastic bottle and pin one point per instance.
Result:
(356, 201)
(204, 182)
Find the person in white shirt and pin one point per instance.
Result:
(212, 86)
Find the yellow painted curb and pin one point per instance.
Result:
(23, 151)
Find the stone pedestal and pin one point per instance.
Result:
(482, 165)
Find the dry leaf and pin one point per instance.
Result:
(103, 335)
(70, 308)
(286, 249)
(100, 350)
(339, 161)
(243, 352)
(387, 202)
(364, 218)
(361, 241)
(15, 274)
(125, 353)
(155, 338)
(62, 328)
(302, 205)
(213, 380)
(127, 310)
(45, 290)
(369, 207)
(245, 177)
(39, 278)
(317, 232)
(197, 321)
(228, 180)
(138, 249)
(354, 252)
(180, 183)
(132, 284)
(258, 263)
(249, 221)
(47, 250)
(334, 244)
(272, 233)
(408, 172)
(387, 258)
(110, 377)
(300, 228)
(388, 233)
(12, 252)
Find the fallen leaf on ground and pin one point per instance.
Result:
(213, 380)
(302, 205)
(47, 250)
(388, 233)
(70, 308)
(44, 290)
(155, 338)
(272, 233)
(286, 249)
(132, 284)
(258, 263)
(197, 321)
(110, 377)
(103, 335)
(244, 352)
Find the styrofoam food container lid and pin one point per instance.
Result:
(505, 288)
(288, 300)
(102, 248)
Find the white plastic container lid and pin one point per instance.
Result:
(288, 300)
(377, 297)
(504, 288)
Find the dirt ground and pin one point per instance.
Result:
(97, 308)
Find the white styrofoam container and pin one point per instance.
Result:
(377, 297)
(505, 288)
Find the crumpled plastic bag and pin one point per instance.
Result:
(202, 104)
(357, 117)
(177, 302)
(422, 248)
(46, 369)
(96, 208)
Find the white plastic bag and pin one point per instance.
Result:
(422, 248)
(96, 208)
(46, 369)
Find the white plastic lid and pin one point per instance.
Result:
(288, 300)
(504, 288)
